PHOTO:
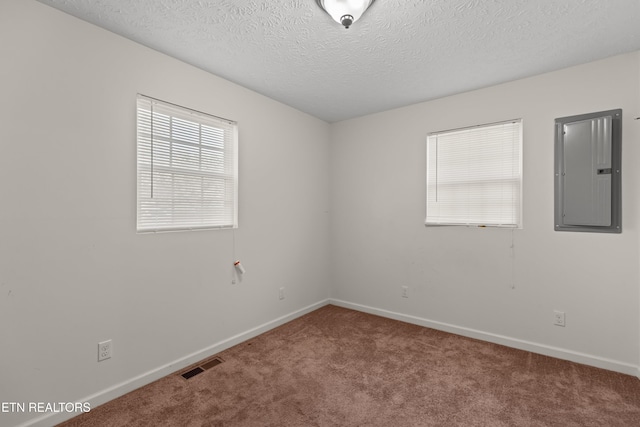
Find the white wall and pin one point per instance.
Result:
(74, 272)
(460, 279)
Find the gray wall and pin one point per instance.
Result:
(470, 280)
(74, 272)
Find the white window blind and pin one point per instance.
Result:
(187, 168)
(474, 176)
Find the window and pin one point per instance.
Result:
(187, 168)
(474, 176)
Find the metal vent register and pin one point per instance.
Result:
(201, 367)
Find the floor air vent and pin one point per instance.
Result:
(192, 373)
(202, 366)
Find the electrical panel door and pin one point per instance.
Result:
(588, 172)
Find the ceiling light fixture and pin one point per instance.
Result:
(345, 12)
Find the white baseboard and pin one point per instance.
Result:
(559, 353)
(125, 387)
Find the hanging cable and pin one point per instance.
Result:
(152, 119)
(513, 260)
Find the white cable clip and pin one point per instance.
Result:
(239, 267)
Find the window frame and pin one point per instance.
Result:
(513, 154)
(187, 168)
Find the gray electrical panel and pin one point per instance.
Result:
(588, 173)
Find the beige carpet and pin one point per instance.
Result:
(338, 367)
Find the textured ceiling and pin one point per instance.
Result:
(401, 52)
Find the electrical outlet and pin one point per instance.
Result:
(281, 293)
(405, 292)
(104, 350)
(558, 318)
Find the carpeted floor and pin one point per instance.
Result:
(338, 367)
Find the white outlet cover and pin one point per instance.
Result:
(559, 318)
(105, 349)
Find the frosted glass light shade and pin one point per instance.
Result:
(345, 12)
